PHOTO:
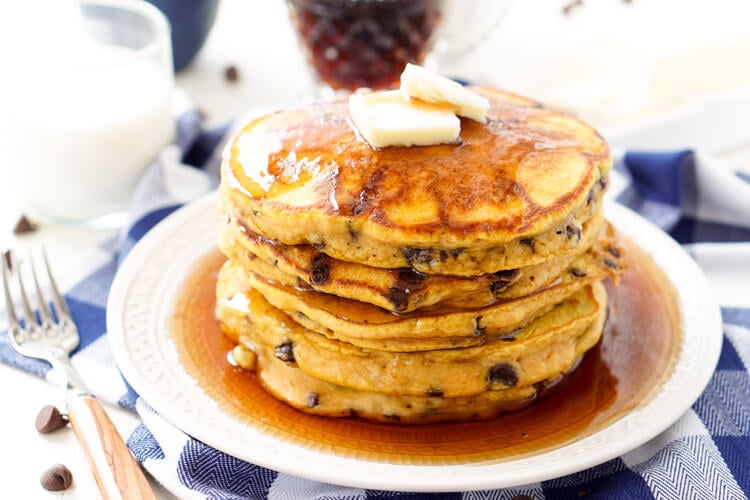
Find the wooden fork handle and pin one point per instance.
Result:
(117, 473)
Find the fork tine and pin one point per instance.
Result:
(27, 311)
(61, 306)
(12, 318)
(44, 311)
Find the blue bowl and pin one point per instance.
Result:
(191, 22)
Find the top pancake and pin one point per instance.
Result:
(305, 177)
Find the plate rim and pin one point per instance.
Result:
(316, 465)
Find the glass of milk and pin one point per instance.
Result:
(88, 107)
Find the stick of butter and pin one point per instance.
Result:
(386, 118)
(420, 83)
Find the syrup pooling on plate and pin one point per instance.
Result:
(636, 354)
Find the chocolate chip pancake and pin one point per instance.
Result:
(290, 384)
(312, 395)
(528, 175)
(414, 284)
(542, 349)
(361, 323)
(397, 290)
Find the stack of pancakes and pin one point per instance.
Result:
(414, 284)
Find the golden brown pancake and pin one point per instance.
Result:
(542, 349)
(415, 284)
(312, 395)
(398, 290)
(530, 174)
(362, 324)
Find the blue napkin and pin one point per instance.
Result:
(703, 455)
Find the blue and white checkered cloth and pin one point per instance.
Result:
(704, 455)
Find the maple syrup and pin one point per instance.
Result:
(635, 356)
(364, 43)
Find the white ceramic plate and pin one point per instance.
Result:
(146, 288)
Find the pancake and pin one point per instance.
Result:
(544, 348)
(397, 290)
(311, 395)
(414, 284)
(356, 321)
(515, 192)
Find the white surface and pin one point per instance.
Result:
(148, 285)
(27, 454)
(611, 62)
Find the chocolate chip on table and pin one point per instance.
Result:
(24, 226)
(231, 73)
(49, 419)
(504, 374)
(56, 478)
(284, 352)
(568, 8)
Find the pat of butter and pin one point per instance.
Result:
(420, 83)
(386, 118)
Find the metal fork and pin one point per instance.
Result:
(52, 338)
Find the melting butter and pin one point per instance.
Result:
(420, 83)
(387, 119)
(424, 111)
